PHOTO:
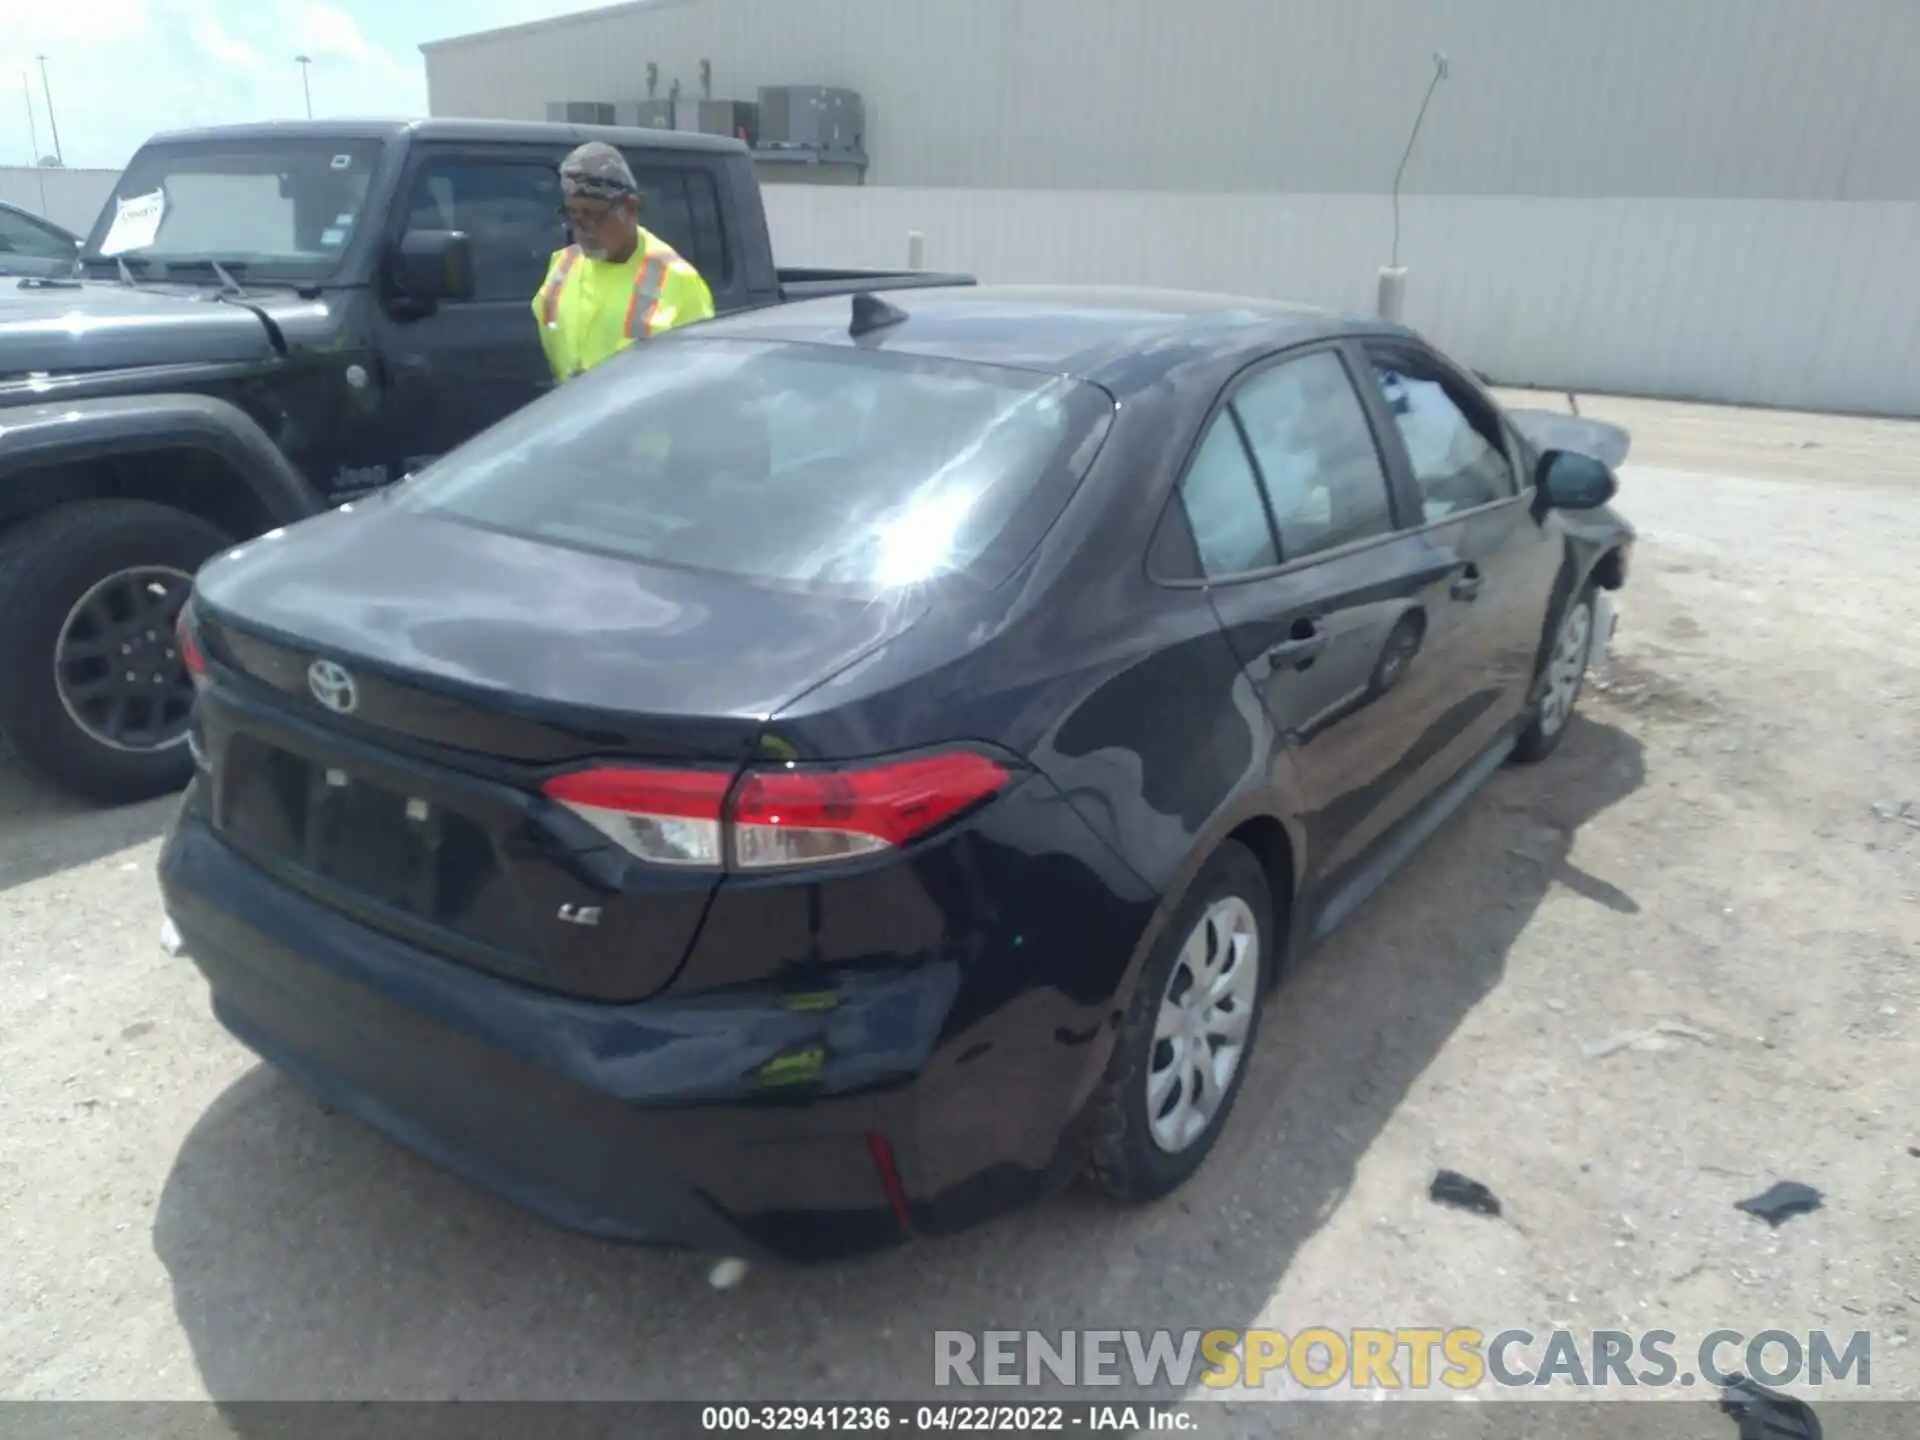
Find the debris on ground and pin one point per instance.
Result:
(1654, 1037)
(1765, 1414)
(1781, 1202)
(1914, 1150)
(727, 1273)
(1452, 1188)
(1906, 812)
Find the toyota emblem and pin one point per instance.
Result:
(333, 687)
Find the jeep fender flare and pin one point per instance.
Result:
(59, 431)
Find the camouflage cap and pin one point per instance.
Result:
(599, 170)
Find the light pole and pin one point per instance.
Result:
(303, 61)
(53, 123)
(1393, 279)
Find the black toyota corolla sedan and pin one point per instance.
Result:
(831, 774)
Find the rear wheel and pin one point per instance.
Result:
(1182, 1053)
(1566, 675)
(93, 692)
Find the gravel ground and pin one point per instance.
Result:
(1720, 848)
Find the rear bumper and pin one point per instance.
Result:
(636, 1123)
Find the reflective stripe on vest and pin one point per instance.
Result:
(644, 304)
(556, 282)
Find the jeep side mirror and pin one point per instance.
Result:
(429, 266)
(1569, 480)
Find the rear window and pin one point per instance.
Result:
(790, 463)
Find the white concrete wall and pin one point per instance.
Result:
(1797, 304)
(67, 197)
(1758, 99)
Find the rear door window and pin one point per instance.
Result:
(681, 204)
(1221, 496)
(1316, 456)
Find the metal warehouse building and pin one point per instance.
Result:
(1715, 199)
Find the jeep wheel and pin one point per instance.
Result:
(93, 693)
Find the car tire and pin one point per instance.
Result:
(1140, 1145)
(1566, 674)
(66, 575)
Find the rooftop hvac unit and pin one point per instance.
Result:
(580, 112)
(736, 119)
(827, 122)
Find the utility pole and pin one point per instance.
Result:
(33, 131)
(303, 61)
(33, 139)
(58, 154)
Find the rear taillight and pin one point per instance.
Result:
(666, 817)
(777, 817)
(798, 816)
(188, 644)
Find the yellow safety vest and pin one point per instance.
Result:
(592, 309)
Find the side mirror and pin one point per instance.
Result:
(1569, 480)
(433, 265)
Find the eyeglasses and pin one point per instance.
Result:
(591, 219)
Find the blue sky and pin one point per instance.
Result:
(122, 69)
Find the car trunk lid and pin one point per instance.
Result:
(475, 667)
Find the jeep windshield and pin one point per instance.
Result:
(274, 209)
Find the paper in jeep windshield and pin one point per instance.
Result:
(136, 221)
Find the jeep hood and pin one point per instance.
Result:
(69, 328)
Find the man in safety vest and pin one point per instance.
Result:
(616, 283)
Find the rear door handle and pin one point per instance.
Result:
(1297, 653)
(1467, 585)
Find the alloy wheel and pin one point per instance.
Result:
(117, 666)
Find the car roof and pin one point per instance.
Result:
(1123, 338)
(483, 132)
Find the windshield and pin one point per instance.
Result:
(791, 463)
(281, 207)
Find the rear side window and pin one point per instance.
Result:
(790, 463)
(1221, 496)
(1315, 452)
(682, 206)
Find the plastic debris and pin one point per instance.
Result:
(1765, 1414)
(1906, 812)
(1781, 1202)
(727, 1273)
(170, 937)
(1654, 1037)
(1452, 1188)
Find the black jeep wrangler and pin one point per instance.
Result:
(267, 321)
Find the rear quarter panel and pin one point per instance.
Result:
(1123, 694)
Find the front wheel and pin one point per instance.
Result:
(93, 692)
(1188, 1037)
(1566, 675)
